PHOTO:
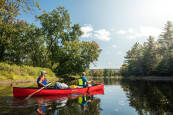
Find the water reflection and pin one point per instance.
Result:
(121, 97)
(59, 105)
(149, 97)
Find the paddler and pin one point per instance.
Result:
(42, 81)
(83, 82)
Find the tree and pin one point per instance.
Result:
(166, 50)
(9, 9)
(56, 44)
(21, 43)
(54, 24)
(166, 40)
(76, 56)
(134, 59)
(65, 53)
(150, 57)
(124, 70)
(35, 45)
(7, 32)
(57, 49)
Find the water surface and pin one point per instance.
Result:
(121, 97)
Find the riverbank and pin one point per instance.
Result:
(11, 73)
(150, 78)
(107, 77)
(15, 82)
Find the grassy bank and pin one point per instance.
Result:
(15, 72)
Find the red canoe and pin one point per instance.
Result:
(25, 91)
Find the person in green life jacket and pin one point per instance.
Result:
(41, 80)
(83, 82)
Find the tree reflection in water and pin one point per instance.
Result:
(149, 97)
(89, 106)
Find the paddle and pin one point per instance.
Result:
(29, 96)
(98, 82)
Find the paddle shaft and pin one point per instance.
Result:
(98, 82)
(29, 96)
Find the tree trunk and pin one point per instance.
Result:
(49, 48)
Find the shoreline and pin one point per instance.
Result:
(11, 82)
(148, 78)
(151, 78)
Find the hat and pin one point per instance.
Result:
(43, 72)
(83, 74)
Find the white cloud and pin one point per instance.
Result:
(130, 30)
(102, 34)
(114, 46)
(140, 32)
(87, 31)
(122, 32)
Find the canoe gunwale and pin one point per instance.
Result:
(25, 91)
(49, 88)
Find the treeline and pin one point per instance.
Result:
(152, 57)
(54, 44)
(102, 72)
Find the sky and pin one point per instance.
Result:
(116, 25)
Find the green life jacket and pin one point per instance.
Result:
(80, 82)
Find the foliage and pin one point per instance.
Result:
(65, 53)
(54, 25)
(77, 56)
(9, 9)
(103, 72)
(55, 45)
(151, 58)
(148, 96)
(21, 43)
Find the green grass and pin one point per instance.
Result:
(15, 72)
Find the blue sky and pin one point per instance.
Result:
(114, 24)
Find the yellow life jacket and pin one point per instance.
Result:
(80, 82)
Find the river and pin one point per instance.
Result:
(121, 97)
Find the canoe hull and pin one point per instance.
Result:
(19, 91)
